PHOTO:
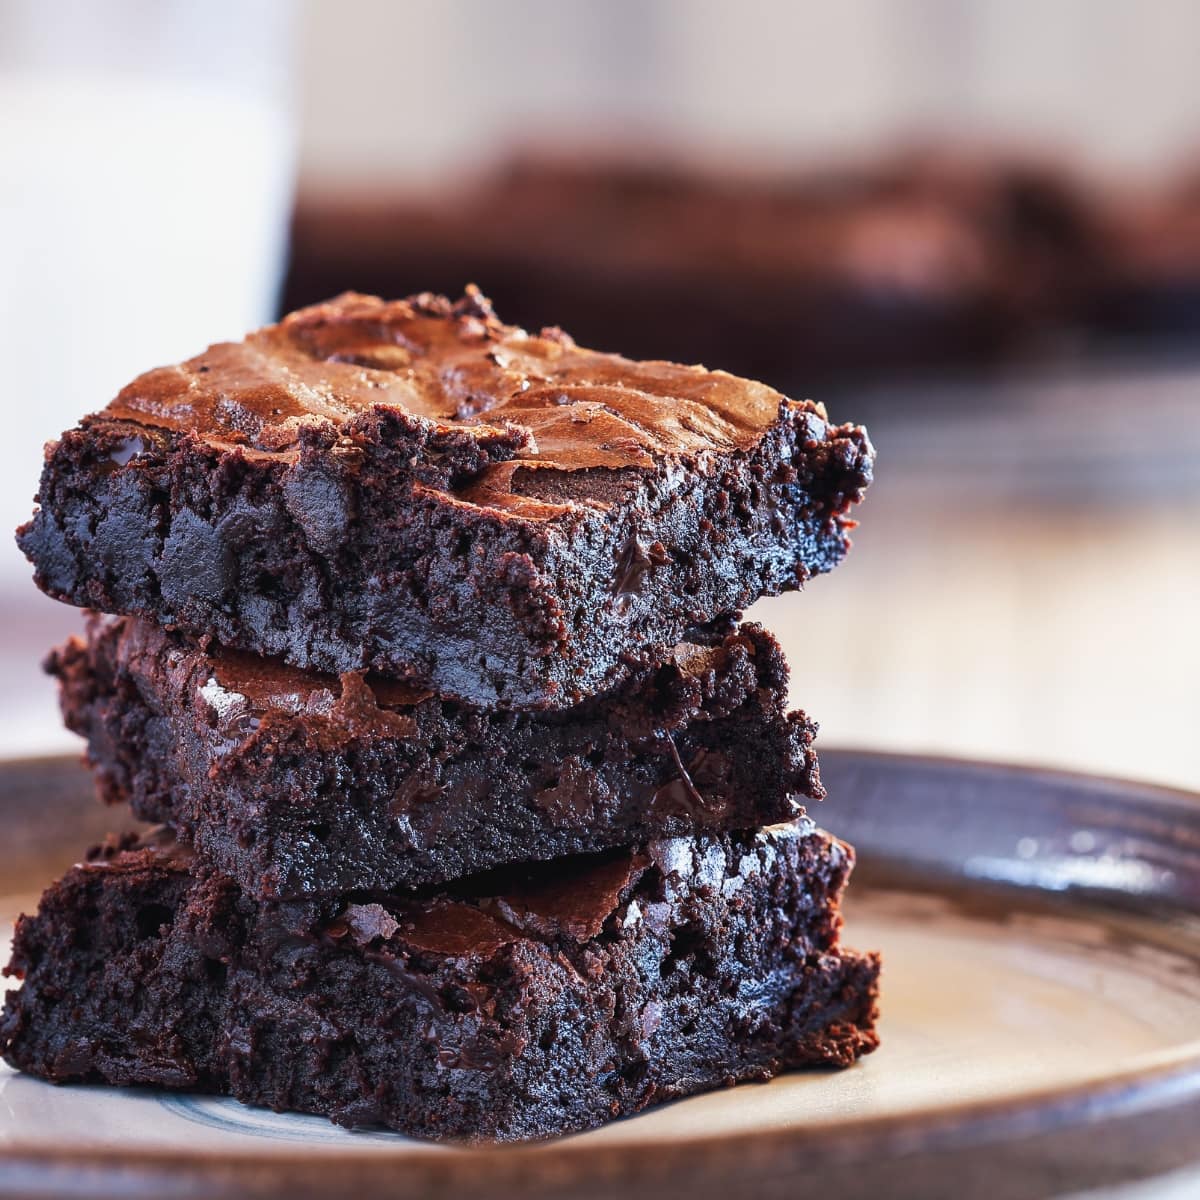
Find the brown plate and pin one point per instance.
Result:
(1041, 936)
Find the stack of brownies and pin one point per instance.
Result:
(480, 814)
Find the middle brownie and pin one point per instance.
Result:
(299, 784)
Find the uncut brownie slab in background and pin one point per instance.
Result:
(299, 784)
(415, 488)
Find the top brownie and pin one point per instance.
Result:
(415, 488)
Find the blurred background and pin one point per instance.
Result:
(972, 224)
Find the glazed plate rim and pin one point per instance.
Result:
(1164, 1082)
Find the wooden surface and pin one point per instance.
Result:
(992, 839)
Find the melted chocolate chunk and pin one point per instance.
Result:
(634, 561)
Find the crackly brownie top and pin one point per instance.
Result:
(461, 384)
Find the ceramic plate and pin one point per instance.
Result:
(1041, 1017)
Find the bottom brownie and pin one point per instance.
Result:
(509, 1006)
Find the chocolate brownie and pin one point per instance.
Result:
(416, 488)
(758, 275)
(824, 275)
(299, 784)
(549, 1000)
(1149, 288)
